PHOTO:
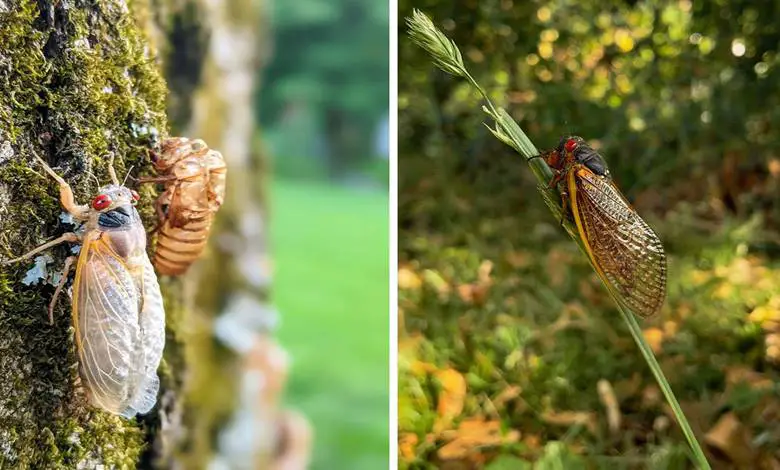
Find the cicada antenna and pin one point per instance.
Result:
(97, 181)
(127, 175)
(111, 171)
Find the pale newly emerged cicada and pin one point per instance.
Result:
(117, 307)
(194, 178)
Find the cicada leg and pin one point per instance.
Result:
(158, 209)
(564, 205)
(63, 280)
(65, 237)
(161, 201)
(557, 177)
(155, 179)
(80, 212)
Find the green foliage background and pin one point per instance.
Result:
(680, 98)
(327, 88)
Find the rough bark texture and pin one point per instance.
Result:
(77, 80)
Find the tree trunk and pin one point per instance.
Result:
(238, 371)
(77, 80)
(81, 79)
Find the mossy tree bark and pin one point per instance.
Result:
(81, 79)
(77, 80)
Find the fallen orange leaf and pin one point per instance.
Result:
(765, 315)
(571, 418)
(407, 442)
(508, 393)
(732, 439)
(408, 279)
(671, 328)
(742, 374)
(473, 293)
(451, 398)
(655, 338)
(472, 436)
(477, 292)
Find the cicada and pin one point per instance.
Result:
(117, 308)
(194, 178)
(625, 252)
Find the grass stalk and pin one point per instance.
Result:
(447, 56)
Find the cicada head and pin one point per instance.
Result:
(574, 149)
(554, 159)
(114, 208)
(569, 144)
(174, 150)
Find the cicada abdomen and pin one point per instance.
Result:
(118, 316)
(117, 306)
(194, 178)
(625, 252)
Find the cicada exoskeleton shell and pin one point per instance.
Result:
(625, 252)
(194, 178)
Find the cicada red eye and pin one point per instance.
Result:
(570, 145)
(101, 201)
(135, 196)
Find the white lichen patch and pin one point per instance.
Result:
(66, 218)
(143, 130)
(250, 433)
(74, 438)
(93, 462)
(82, 43)
(38, 272)
(243, 317)
(6, 152)
(5, 201)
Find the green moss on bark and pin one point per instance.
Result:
(77, 80)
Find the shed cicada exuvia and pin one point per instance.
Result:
(625, 252)
(194, 179)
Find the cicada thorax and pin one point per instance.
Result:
(624, 250)
(191, 198)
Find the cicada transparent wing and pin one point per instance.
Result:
(119, 341)
(152, 324)
(625, 251)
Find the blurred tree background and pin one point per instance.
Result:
(326, 110)
(511, 351)
(323, 110)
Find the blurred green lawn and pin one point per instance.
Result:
(330, 250)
